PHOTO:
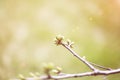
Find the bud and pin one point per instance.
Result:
(37, 74)
(58, 40)
(70, 43)
(55, 71)
(84, 57)
(21, 77)
(59, 37)
(48, 67)
(59, 68)
(32, 74)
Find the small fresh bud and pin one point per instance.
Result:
(70, 43)
(58, 40)
(32, 74)
(84, 57)
(37, 74)
(59, 68)
(48, 67)
(55, 71)
(21, 77)
(59, 37)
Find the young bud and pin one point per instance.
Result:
(21, 77)
(59, 68)
(59, 37)
(70, 43)
(55, 71)
(37, 74)
(48, 67)
(32, 74)
(58, 40)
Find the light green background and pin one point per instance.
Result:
(28, 27)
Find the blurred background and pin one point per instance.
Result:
(28, 27)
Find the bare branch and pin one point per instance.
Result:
(89, 64)
(99, 66)
(64, 76)
(80, 58)
(68, 45)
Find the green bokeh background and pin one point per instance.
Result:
(28, 27)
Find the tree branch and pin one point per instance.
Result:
(64, 76)
(89, 64)
(80, 58)
(68, 46)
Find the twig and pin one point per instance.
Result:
(80, 58)
(68, 45)
(89, 64)
(99, 66)
(64, 76)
